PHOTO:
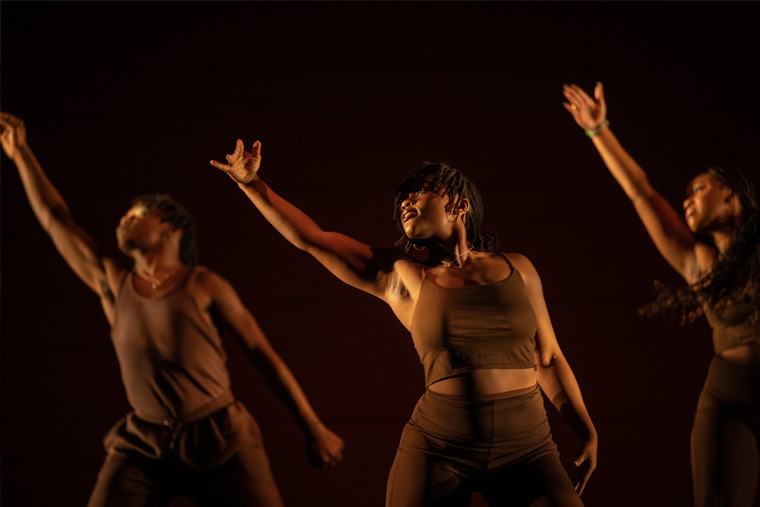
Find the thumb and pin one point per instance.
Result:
(580, 459)
(599, 92)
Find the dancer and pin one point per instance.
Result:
(716, 250)
(481, 327)
(187, 434)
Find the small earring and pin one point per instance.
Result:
(418, 249)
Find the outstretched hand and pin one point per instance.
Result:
(588, 113)
(13, 134)
(242, 166)
(324, 448)
(586, 464)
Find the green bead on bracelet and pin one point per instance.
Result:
(594, 131)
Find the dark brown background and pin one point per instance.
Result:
(124, 98)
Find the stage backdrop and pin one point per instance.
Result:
(125, 98)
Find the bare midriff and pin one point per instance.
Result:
(485, 382)
(748, 354)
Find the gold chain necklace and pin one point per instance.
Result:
(452, 261)
(155, 283)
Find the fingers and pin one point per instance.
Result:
(576, 95)
(256, 150)
(571, 108)
(219, 165)
(586, 467)
(330, 458)
(599, 94)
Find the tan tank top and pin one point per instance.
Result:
(461, 329)
(734, 325)
(172, 362)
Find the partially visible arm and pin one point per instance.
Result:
(665, 226)
(352, 261)
(72, 242)
(324, 447)
(555, 376)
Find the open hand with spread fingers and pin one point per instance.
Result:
(588, 112)
(242, 166)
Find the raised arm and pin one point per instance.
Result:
(361, 266)
(74, 244)
(324, 448)
(665, 226)
(555, 376)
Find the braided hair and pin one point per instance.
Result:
(457, 187)
(736, 272)
(179, 217)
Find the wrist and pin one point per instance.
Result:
(596, 130)
(248, 184)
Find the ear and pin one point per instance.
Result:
(732, 199)
(169, 231)
(463, 206)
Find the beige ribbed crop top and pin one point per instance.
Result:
(733, 325)
(489, 326)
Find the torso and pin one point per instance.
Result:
(482, 268)
(169, 351)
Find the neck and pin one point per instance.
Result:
(156, 264)
(450, 253)
(722, 241)
(723, 235)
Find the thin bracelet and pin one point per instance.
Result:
(594, 131)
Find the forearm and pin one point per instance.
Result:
(75, 246)
(565, 394)
(45, 200)
(291, 222)
(626, 171)
(283, 383)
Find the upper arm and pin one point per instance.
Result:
(352, 261)
(78, 250)
(668, 231)
(665, 226)
(215, 290)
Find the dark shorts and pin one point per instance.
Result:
(499, 445)
(217, 460)
(725, 438)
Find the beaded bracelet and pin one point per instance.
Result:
(594, 131)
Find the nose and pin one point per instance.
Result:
(408, 201)
(687, 202)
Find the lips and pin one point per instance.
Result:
(408, 214)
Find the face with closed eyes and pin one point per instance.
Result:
(708, 204)
(423, 213)
(140, 228)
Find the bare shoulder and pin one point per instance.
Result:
(522, 264)
(209, 281)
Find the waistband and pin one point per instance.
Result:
(484, 398)
(224, 400)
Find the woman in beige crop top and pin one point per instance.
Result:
(723, 276)
(445, 216)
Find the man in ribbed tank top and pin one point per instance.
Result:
(187, 435)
